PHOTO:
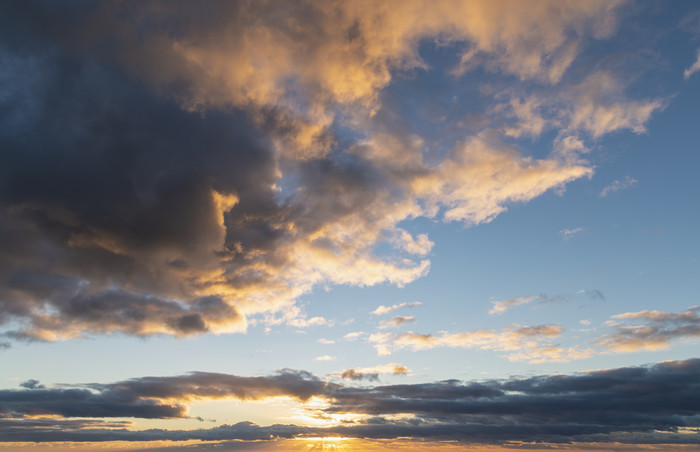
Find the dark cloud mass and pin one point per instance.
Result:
(636, 403)
(109, 214)
(151, 397)
(126, 208)
(174, 169)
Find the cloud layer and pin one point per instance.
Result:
(642, 404)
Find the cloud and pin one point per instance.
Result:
(353, 336)
(520, 343)
(499, 307)
(593, 294)
(381, 310)
(618, 185)
(397, 322)
(176, 170)
(420, 245)
(325, 358)
(485, 175)
(652, 330)
(372, 373)
(692, 69)
(566, 234)
(599, 106)
(589, 106)
(292, 315)
(638, 405)
(347, 50)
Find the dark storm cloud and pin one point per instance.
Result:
(124, 208)
(108, 212)
(636, 403)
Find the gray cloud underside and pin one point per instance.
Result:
(472, 434)
(140, 397)
(108, 219)
(107, 222)
(639, 402)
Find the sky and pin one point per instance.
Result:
(349, 225)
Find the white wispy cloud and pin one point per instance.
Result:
(651, 330)
(354, 335)
(499, 307)
(694, 68)
(618, 185)
(566, 234)
(519, 343)
(325, 358)
(381, 310)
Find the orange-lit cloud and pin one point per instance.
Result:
(244, 154)
(651, 330)
(520, 343)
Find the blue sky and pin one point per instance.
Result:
(321, 217)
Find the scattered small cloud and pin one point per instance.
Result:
(694, 68)
(325, 341)
(593, 294)
(499, 307)
(353, 336)
(567, 234)
(381, 310)
(651, 330)
(382, 343)
(618, 185)
(397, 322)
(421, 245)
(293, 316)
(325, 358)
